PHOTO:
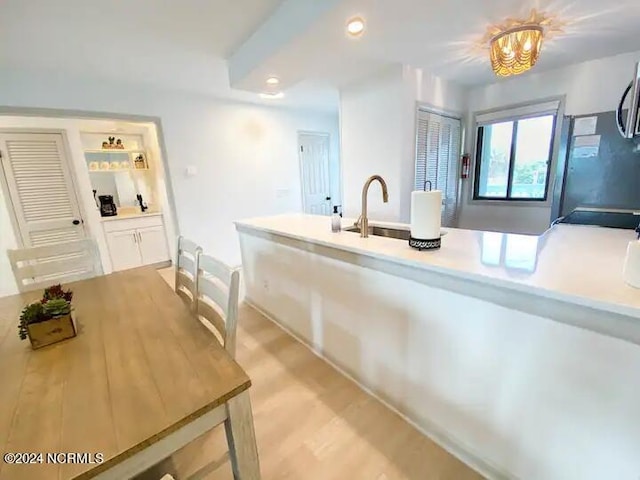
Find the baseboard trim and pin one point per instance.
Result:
(432, 431)
(159, 265)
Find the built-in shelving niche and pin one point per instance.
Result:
(121, 173)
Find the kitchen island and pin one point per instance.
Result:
(517, 353)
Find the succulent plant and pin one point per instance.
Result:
(32, 313)
(55, 302)
(56, 308)
(56, 291)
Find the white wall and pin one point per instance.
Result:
(378, 135)
(248, 165)
(593, 86)
(435, 91)
(589, 87)
(372, 123)
(246, 155)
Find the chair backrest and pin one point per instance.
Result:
(40, 267)
(217, 287)
(186, 268)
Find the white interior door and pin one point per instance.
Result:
(40, 188)
(314, 170)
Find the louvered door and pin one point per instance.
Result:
(40, 188)
(437, 154)
(449, 167)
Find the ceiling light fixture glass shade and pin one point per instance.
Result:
(355, 27)
(516, 50)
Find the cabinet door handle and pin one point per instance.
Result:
(139, 237)
(135, 239)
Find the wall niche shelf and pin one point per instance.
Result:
(115, 150)
(116, 160)
(116, 170)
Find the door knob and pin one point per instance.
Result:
(76, 222)
(328, 198)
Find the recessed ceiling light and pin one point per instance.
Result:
(273, 80)
(272, 96)
(355, 27)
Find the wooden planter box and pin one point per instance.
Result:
(51, 331)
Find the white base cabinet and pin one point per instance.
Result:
(123, 250)
(134, 242)
(152, 242)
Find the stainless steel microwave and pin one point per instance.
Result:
(629, 123)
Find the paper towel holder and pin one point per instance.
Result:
(422, 244)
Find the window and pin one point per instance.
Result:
(438, 143)
(513, 158)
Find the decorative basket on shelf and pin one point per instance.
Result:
(49, 320)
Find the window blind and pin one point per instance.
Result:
(518, 113)
(438, 140)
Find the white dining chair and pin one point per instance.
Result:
(40, 267)
(217, 287)
(217, 290)
(216, 307)
(186, 268)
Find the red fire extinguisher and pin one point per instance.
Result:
(466, 162)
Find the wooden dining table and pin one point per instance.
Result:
(141, 379)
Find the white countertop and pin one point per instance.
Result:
(578, 264)
(124, 216)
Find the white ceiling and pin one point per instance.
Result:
(444, 38)
(170, 44)
(110, 34)
(185, 44)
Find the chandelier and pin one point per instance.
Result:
(515, 44)
(515, 50)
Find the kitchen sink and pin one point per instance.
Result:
(383, 232)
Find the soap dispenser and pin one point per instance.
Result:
(336, 224)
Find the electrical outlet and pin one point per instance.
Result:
(265, 285)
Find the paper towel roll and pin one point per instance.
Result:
(426, 214)
(631, 270)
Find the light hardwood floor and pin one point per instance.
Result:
(313, 423)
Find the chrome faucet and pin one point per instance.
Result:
(364, 220)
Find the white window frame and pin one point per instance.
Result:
(511, 112)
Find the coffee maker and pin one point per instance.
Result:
(107, 206)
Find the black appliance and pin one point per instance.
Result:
(597, 184)
(143, 206)
(629, 122)
(107, 206)
(611, 218)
